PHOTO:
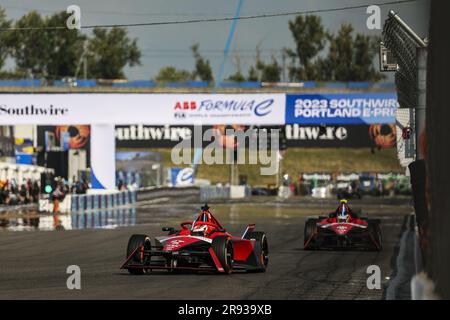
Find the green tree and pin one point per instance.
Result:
(365, 48)
(4, 41)
(348, 58)
(252, 74)
(263, 71)
(309, 38)
(270, 72)
(64, 48)
(236, 77)
(30, 47)
(110, 51)
(172, 74)
(344, 50)
(202, 66)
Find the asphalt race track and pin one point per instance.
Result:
(33, 263)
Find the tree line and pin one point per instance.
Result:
(319, 55)
(43, 53)
(57, 53)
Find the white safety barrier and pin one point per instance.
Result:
(284, 192)
(100, 201)
(90, 202)
(237, 192)
(45, 205)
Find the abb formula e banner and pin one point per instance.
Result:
(157, 109)
(341, 108)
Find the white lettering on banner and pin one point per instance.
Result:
(296, 132)
(345, 108)
(151, 109)
(32, 110)
(141, 132)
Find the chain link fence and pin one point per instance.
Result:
(404, 49)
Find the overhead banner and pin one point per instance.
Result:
(341, 108)
(297, 136)
(156, 109)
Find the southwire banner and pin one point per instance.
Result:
(297, 136)
(341, 108)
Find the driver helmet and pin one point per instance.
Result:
(202, 229)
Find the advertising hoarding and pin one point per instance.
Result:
(341, 108)
(157, 109)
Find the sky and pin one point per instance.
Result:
(170, 44)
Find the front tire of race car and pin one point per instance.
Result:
(310, 230)
(263, 249)
(223, 249)
(143, 243)
(375, 234)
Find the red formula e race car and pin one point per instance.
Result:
(342, 229)
(200, 245)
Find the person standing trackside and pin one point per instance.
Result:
(57, 196)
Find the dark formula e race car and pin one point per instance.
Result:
(200, 245)
(342, 229)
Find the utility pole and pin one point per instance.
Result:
(421, 100)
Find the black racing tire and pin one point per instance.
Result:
(374, 228)
(143, 242)
(263, 249)
(310, 229)
(223, 248)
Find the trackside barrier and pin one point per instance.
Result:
(352, 85)
(208, 193)
(21, 83)
(89, 202)
(154, 193)
(45, 205)
(211, 193)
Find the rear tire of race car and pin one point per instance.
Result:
(142, 242)
(263, 248)
(223, 248)
(375, 234)
(310, 230)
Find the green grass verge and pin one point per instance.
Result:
(299, 160)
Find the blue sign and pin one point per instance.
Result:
(341, 108)
(182, 176)
(24, 158)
